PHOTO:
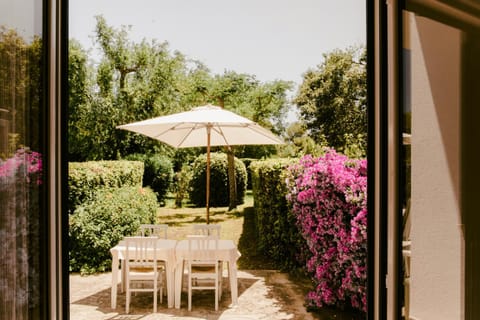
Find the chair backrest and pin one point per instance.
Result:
(202, 248)
(207, 229)
(158, 230)
(141, 252)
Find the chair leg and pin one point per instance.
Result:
(161, 294)
(155, 297)
(189, 291)
(127, 302)
(220, 280)
(160, 287)
(216, 295)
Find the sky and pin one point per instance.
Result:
(271, 39)
(24, 16)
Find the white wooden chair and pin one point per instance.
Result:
(207, 229)
(142, 273)
(204, 268)
(158, 230)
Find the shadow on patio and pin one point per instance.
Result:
(263, 294)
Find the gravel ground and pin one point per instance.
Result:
(263, 294)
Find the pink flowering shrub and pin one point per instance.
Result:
(328, 197)
(21, 219)
(26, 164)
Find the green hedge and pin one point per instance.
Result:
(278, 236)
(158, 173)
(85, 178)
(98, 225)
(247, 162)
(219, 184)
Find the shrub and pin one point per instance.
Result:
(181, 181)
(247, 162)
(86, 178)
(98, 225)
(219, 184)
(158, 173)
(277, 234)
(328, 196)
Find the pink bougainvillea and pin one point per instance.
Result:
(328, 197)
(24, 163)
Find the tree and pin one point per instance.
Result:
(137, 81)
(132, 82)
(20, 92)
(299, 143)
(264, 103)
(332, 99)
(79, 100)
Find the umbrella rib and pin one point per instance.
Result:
(187, 134)
(253, 126)
(166, 130)
(257, 128)
(173, 128)
(220, 131)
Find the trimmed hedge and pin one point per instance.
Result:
(98, 225)
(158, 173)
(85, 178)
(278, 235)
(219, 192)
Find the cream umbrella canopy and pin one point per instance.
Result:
(204, 126)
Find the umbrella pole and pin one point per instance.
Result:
(207, 204)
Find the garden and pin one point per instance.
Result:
(307, 214)
(306, 217)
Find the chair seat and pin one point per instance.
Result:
(203, 269)
(141, 270)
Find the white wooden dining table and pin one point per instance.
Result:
(165, 251)
(227, 252)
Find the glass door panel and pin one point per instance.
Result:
(21, 157)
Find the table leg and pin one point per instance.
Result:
(232, 273)
(170, 270)
(114, 279)
(178, 284)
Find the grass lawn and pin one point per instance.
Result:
(181, 220)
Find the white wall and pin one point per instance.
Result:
(436, 289)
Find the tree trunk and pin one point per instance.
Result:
(232, 185)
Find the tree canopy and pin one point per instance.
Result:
(333, 100)
(20, 91)
(136, 81)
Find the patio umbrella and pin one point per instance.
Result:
(204, 126)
